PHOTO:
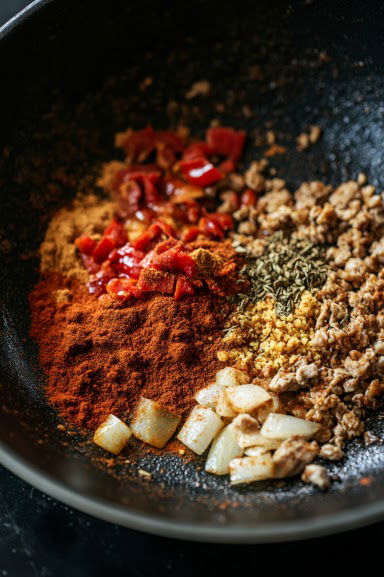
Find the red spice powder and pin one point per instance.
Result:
(100, 355)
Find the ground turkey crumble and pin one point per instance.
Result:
(337, 376)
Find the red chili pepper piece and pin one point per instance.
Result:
(210, 228)
(166, 245)
(103, 248)
(85, 244)
(150, 185)
(191, 234)
(116, 231)
(193, 211)
(226, 142)
(127, 261)
(249, 198)
(200, 171)
(123, 289)
(89, 263)
(183, 288)
(165, 156)
(227, 166)
(137, 186)
(98, 281)
(139, 144)
(224, 219)
(173, 260)
(151, 280)
(168, 147)
(166, 228)
(170, 139)
(143, 241)
(198, 149)
(152, 233)
(147, 260)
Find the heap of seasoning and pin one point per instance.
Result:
(288, 267)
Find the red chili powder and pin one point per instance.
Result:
(100, 356)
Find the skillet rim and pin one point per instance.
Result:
(154, 524)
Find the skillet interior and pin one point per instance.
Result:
(86, 62)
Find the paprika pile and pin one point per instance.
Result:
(100, 355)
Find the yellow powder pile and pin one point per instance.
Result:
(261, 342)
(88, 216)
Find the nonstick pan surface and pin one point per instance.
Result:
(72, 74)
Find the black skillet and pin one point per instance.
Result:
(272, 64)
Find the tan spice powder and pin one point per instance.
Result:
(260, 342)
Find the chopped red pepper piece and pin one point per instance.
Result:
(151, 280)
(135, 186)
(144, 240)
(227, 166)
(98, 281)
(248, 198)
(147, 260)
(165, 156)
(211, 228)
(166, 228)
(168, 146)
(85, 244)
(200, 171)
(139, 144)
(191, 234)
(116, 231)
(193, 211)
(166, 245)
(103, 248)
(170, 139)
(226, 142)
(127, 261)
(152, 233)
(89, 263)
(183, 288)
(224, 219)
(197, 149)
(127, 195)
(123, 289)
(213, 225)
(174, 260)
(150, 185)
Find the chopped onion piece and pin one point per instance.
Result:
(223, 449)
(248, 433)
(257, 439)
(208, 396)
(278, 426)
(273, 406)
(247, 398)
(230, 377)
(112, 435)
(153, 424)
(200, 429)
(223, 407)
(249, 469)
(255, 451)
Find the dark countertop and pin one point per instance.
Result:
(40, 537)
